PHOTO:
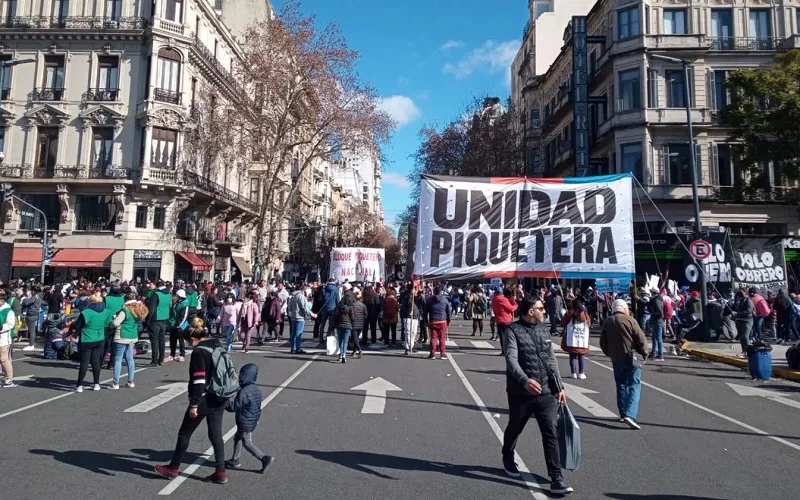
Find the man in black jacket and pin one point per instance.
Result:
(534, 389)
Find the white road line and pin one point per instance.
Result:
(732, 420)
(452, 344)
(60, 396)
(481, 344)
(175, 483)
(535, 489)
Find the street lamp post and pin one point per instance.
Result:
(698, 225)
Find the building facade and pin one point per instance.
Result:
(97, 127)
(359, 174)
(637, 115)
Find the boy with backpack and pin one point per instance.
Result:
(247, 406)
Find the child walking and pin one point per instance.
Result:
(247, 406)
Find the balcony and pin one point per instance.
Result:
(677, 116)
(748, 195)
(76, 23)
(46, 94)
(676, 42)
(745, 44)
(201, 52)
(101, 95)
(168, 96)
(171, 26)
(117, 172)
(225, 236)
(177, 176)
(95, 225)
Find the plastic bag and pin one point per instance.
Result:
(332, 345)
(569, 439)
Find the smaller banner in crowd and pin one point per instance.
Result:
(358, 264)
(758, 265)
(605, 285)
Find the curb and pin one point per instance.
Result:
(777, 371)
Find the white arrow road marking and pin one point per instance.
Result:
(481, 344)
(578, 395)
(171, 391)
(375, 400)
(24, 378)
(777, 397)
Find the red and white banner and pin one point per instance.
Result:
(358, 264)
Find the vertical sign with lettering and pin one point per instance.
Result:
(580, 93)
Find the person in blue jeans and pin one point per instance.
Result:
(344, 320)
(297, 308)
(656, 307)
(126, 335)
(623, 340)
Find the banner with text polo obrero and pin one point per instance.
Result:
(575, 228)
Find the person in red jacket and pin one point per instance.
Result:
(503, 307)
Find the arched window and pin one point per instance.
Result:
(169, 70)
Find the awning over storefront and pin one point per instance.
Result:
(194, 260)
(26, 257)
(243, 266)
(82, 257)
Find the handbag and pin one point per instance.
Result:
(569, 439)
(332, 345)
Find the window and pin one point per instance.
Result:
(719, 93)
(60, 12)
(255, 189)
(797, 20)
(174, 11)
(630, 90)
(47, 150)
(647, 19)
(141, 216)
(652, 88)
(365, 193)
(628, 23)
(186, 223)
(102, 149)
(164, 144)
(159, 217)
(5, 78)
(676, 90)
(95, 213)
(722, 163)
(53, 77)
(678, 163)
(108, 74)
(113, 9)
(10, 9)
(2, 139)
(760, 26)
(295, 168)
(168, 79)
(48, 204)
(722, 29)
(631, 160)
(674, 22)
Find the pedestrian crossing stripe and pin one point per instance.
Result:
(451, 343)
(481, 344)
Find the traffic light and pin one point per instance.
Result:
(49, 251)
(8, 192)
(339, 227)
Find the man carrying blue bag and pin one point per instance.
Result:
(534, 389)
(569, 439)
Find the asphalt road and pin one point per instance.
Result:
(438, 437)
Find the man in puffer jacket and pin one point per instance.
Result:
(247, 406)
(330, 299)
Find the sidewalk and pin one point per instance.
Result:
(724, 352)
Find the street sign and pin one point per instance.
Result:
(375, 399)
(700, 249)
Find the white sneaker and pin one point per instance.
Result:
(574, 375)
(79, 388)
(632, 423)
(114, 387)
(96, 387)
(29, 348)
(130, 385)
(582, 376)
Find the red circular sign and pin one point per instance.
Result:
(700, 249)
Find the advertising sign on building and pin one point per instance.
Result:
(358, 264)
(578, 228)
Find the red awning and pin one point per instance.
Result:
(197, 262)
(26, 257)
(82, 257)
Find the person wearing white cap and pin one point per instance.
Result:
(623, 340)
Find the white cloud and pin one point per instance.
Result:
(395, 179)
(451, 44)
(491, 57)
(401, 108)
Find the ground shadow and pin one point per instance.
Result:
(55, 363)
(604, 423)
(58, 383)
(101, 463)
(366, 462)
(629, 496)
(489, 372)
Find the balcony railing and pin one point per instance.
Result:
(110, 172)
(739, 194)
(66, 172)
(187, 178)
(74, 23)
(46, 94)
(94, 224)
(14, 171)
(211, 59)
(171, 26)
(57, 172)
(745, 44)
(168, 96)
(101, 95)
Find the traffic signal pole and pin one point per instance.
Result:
(45, 237)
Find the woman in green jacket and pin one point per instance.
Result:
(126, 335)
(90, 328)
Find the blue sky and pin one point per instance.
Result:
(428, 59)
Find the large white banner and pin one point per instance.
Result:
(358, 264)
(512, 227)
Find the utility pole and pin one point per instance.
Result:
(8, 194)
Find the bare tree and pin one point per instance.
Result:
(307, 103)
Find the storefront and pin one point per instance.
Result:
(89, 263)
(26, 262)
(191, 267)
(147, 264)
